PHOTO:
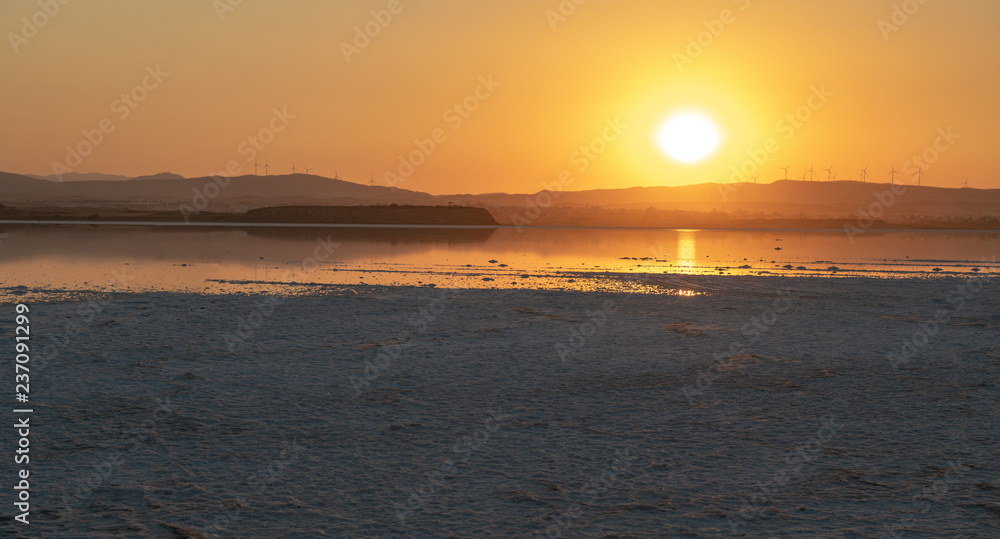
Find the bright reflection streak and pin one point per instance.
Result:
(686, 251)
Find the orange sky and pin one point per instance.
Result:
(553, 89)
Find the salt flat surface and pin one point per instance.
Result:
(500, 413)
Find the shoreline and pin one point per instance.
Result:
(648, 285)
(200, 224)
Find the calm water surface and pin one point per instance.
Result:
(227, 259)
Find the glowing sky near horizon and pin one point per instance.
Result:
(479, 96)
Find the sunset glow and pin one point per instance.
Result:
(519, 268)
(366, 85)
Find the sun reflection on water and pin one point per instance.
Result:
(687, 253)
(82, 259)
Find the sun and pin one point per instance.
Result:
(688, 137)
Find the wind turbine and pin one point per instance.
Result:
(307, 169)
(892, 175)
(864, 174)
(267, 166)
(829, 173)
(294, 170)
(255, 165)
(372, 183)
(920, 174)
(966, 183)
(803, 178)
(336, 175)
(755, 179)
(786, 171)
(812, 172)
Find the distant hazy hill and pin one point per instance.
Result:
(88, 177)
(169, 189)
(785, 199)
(161, 176)
(101, 177)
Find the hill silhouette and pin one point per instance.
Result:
(636, 206)
(161, 176)
(250, 191)
(78, 177)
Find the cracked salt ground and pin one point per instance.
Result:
(478, 428)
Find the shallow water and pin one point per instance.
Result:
(257, 259)
(161, 412)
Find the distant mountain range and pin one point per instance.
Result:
(97, 176)
(165, 190)
(782, 199)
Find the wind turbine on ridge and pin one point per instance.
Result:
(267, 166)
(920, 174)
(372, 183)
(786, 171)
(966, 184)
(307, 169)
(892, 175)
(829, 173)
(864, 174)
(294, 170)
(255, 165)
(812, 172)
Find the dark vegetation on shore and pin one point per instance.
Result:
(359, 215)
(479, 216)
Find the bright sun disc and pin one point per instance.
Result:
(688, 137)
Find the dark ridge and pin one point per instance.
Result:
(317, 215)
(371, 215)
